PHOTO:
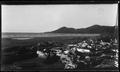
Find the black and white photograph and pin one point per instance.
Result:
(59, 37)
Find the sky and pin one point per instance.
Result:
(44, 18)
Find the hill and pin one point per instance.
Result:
(92, 29)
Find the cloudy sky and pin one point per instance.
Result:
(43, 18)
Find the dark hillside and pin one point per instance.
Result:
(92, 29)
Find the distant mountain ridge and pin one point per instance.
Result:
(92, 29)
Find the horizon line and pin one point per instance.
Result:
(58, 28)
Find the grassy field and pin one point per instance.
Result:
(30, 61)
(21, 38)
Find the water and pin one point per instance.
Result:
(21, 38)
(29, 35)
